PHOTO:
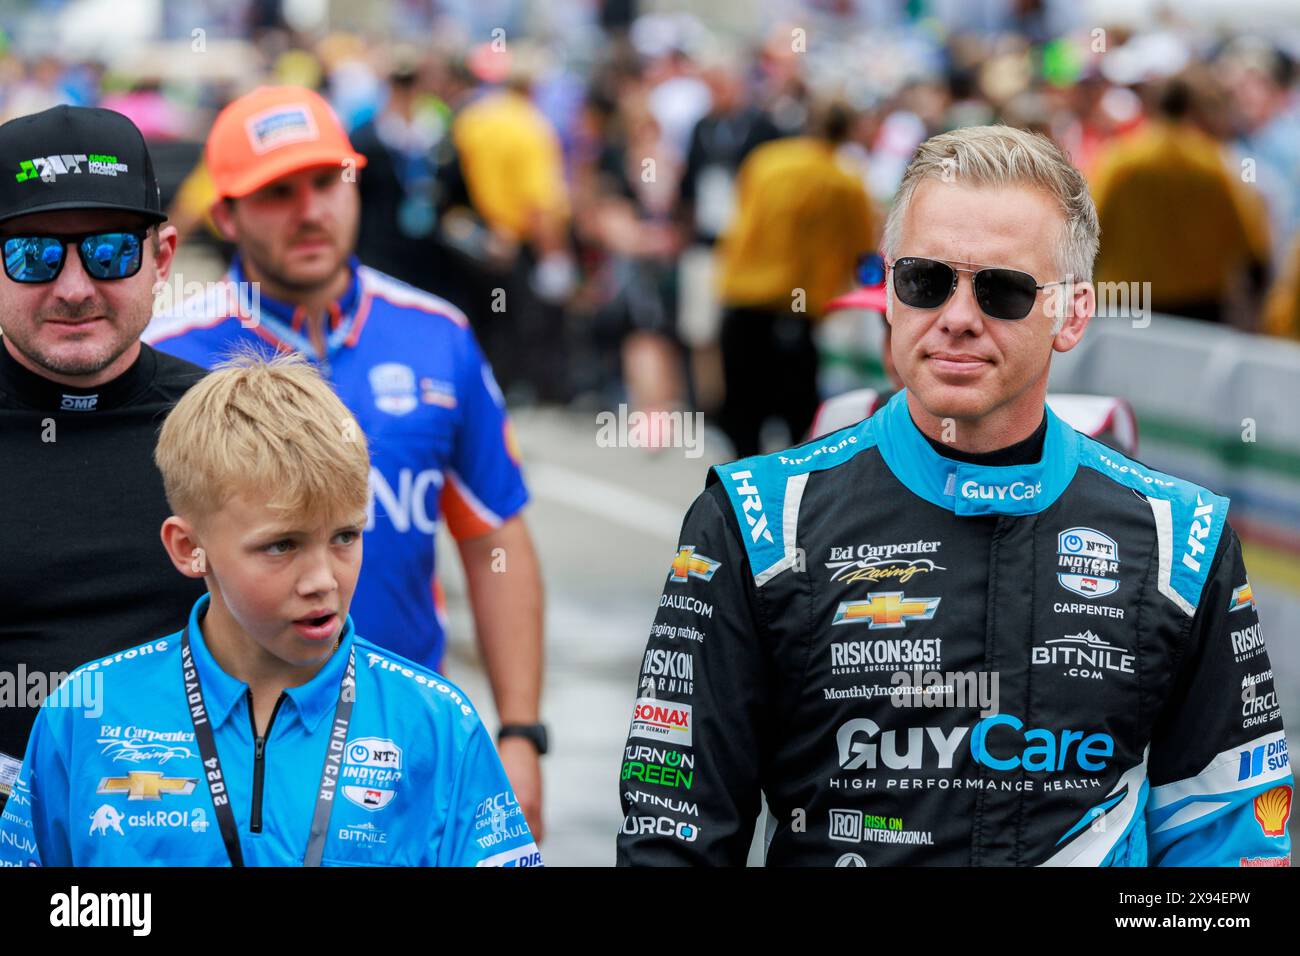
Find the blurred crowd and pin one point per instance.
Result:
(638, 207)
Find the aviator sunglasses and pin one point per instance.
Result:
(113, 254)
(1001, 293)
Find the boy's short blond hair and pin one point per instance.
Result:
(270, 429)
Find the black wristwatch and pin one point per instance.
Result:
(533, 733)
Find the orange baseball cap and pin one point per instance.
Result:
(271, 132)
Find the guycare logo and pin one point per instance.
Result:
(972, 490)
(999, 742)
(1087, 562)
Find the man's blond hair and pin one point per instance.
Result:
(1001, 157)
(270, 429)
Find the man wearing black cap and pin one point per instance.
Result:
(82, 572)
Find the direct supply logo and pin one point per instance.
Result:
(1270, 757)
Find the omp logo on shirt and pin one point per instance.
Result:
(79, 403)
(280, 126)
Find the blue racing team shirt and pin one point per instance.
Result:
(113, 775)
(408, 367)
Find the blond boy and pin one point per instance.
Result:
(267, 732)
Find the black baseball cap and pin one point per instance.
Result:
(76, 157)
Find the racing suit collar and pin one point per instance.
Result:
(287, 322)
(968, 489)
(221, 692)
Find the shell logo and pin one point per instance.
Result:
(1272, 809)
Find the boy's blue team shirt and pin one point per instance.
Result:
(420, 783)
(407, 365)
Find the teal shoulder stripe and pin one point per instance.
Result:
(765, 491)
(1189, 519)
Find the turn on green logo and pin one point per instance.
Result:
(675, 770)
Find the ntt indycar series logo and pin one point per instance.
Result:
(1000, 742)
(1087, 562)
(372, 766)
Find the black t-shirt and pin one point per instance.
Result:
(82, 570)
(1025, 452)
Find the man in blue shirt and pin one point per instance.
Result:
(407, 366)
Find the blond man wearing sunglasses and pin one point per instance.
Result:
(960, 632)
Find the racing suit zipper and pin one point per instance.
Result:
(259, 761)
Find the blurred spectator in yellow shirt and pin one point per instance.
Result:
(510, 159)
(1282, 308)
(1173, 214)
(801, 221)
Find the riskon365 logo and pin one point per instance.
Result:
(999, 742)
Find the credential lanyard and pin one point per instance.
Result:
(217, 781)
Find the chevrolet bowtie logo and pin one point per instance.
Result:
(147, 785)
(886, 609)
(1243, 596)
(688, 564)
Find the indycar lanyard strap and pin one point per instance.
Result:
(217, 782)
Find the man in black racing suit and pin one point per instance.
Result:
(961, 632)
